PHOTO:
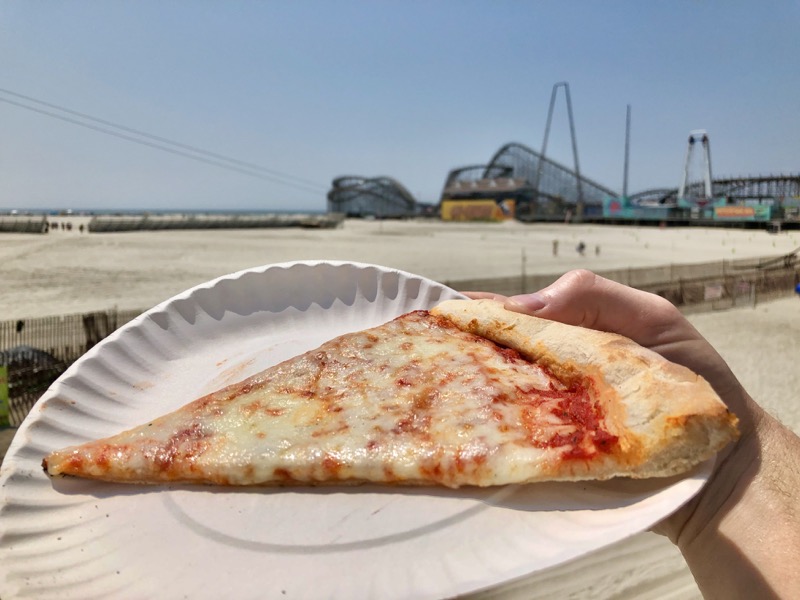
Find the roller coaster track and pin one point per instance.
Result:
(760, 187)
(377, 196)
(525, 167)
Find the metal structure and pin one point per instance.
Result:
(379, 197)
(760, 198)
(769, 187)
(762, 188)
(627, 151)
(708, 190)
(579, 189)
(542, 188)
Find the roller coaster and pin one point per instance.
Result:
(758, 188)
(378, 197)
(508, 180)
(756, 199)
(519, 182)
(537, 188)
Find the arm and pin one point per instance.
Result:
(741, 535)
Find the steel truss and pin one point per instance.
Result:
(379, 197)
(517, 170)
(774, 188)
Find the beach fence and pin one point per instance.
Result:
(146, 222)
(80, 223)
(34, 352)
(693, 287)
(23, 224)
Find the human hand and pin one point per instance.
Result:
(740, 535)
(584, 299)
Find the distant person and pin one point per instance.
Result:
(797, 289)
(740, 536)
(581, 248)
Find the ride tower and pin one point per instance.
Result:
(688, 192)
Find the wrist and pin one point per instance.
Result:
(744, 516)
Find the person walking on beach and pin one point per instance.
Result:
(740, 536)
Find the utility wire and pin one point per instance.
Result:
(219, 160)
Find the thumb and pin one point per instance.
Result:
(584, 299)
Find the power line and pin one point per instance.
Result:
(215, 159)
(145, 134)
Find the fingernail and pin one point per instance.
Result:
(526, 302)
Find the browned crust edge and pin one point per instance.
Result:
(669, 418)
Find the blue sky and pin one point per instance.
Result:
(317, 89)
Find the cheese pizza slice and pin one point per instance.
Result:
(465, 394)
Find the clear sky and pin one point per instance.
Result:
(311, 90)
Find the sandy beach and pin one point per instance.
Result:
(69, 272)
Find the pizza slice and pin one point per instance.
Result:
(465, 394)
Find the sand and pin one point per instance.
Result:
(66, 272)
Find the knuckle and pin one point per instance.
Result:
(581, 279)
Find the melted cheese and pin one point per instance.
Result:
(413, 401)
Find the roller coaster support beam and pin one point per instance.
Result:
(565, 85)
(627, 151)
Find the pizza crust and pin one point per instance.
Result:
(667, 417)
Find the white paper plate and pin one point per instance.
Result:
(79, 539)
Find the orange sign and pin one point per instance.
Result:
(735, 211)
(477, 210)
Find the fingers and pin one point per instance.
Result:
(485, 296)
(584, 299)
(588, 300)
